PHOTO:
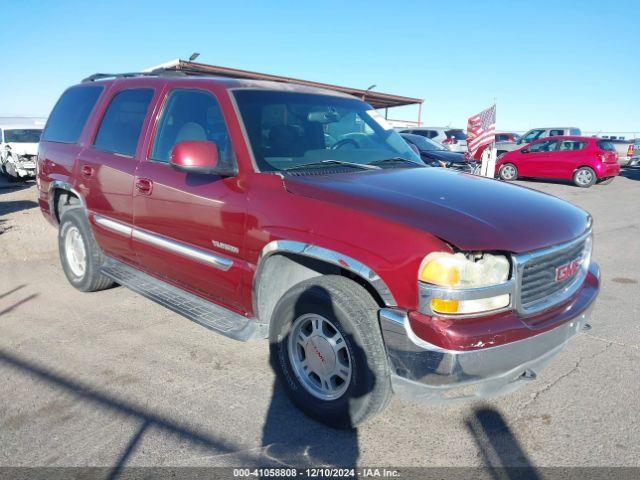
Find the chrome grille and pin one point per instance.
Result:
(537, 272)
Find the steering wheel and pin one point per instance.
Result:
(343, 142)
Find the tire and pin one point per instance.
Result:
(584, 177)
(344, 311)
(74, 238)
(508, 172)
(606, 181)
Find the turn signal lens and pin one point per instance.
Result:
(444, 306)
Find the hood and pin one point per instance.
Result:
(23, 148)
(469, 212)
(455, 157)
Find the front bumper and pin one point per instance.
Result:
(633, 162)
(427, 373)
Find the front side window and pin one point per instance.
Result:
(546, 146)
(121, 125)
(192, 115)
(29, 135)
(554, 133)
(289, 129)
(68, 117)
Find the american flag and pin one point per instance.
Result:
(481, 130)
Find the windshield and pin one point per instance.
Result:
(424, 144)
(290, 129)
(532, 135)
(31, 135)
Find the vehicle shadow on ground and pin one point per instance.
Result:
(501, 452)
(8, 187)
(289, 437)
(16, 206)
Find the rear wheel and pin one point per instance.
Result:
(80, 255)
(508, 172)
(584, 177)
(327, 350)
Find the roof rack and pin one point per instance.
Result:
(159, 72)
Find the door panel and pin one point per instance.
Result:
(189, 228)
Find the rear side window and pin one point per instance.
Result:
(604, 145)
(554, 133)
(70, 114)
(572, 145)
(122, 122)
(575, 131)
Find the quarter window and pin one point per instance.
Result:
(121, 125)
(70, 114)
(192, 115)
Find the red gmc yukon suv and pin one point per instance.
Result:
(268, 210)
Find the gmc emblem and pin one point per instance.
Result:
(568, 270)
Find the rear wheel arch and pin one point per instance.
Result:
(62, 197)
(293, 262)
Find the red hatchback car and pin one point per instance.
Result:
(583, 160)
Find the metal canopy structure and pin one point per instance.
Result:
(375, 99)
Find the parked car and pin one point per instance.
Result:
(436, 155)
(18, 150)
(507, 137)
(583, 160)
(453, 138)
(534, 134)
(369, 272)
(633, 154)
(622, 147)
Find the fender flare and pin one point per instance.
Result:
(330, 256)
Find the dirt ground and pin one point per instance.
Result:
(110, 378)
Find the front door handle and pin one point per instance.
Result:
(144, 186)
(87, 171)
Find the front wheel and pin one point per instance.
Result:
(327, 350)
(508, 172)
(584, 177)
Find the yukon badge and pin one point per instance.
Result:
(225, 246)
(568, 270)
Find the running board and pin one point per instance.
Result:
(197, 309)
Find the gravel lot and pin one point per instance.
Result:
(110, 378)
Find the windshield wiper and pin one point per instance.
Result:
(395, 160)
(330, 162)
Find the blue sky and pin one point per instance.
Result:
(548, 63)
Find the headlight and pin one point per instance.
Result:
(453, 274)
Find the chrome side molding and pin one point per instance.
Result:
(174, 246)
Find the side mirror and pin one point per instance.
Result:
(197, 157)
(524, 150)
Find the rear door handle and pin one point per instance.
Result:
(87, 171)
(144, 186)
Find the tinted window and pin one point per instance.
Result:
(604, 145)
(501, 138)
(70, 114)
(575, 131)
(192, 115)
(29, 135)
(553, 133)
(566, 145)
(122, 122)
(546, 146)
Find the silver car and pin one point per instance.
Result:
(535, 134)
(455, 139)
